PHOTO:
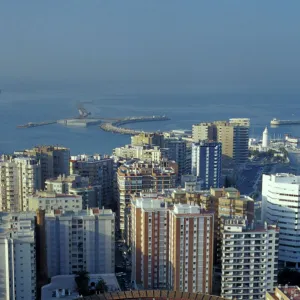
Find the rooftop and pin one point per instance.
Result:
(288, 292)
(153, 294)
(82, 213)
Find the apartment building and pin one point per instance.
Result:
(18, 257)
(153, 139)
(19, 177)
(191, 234)
(207, 163)
(249, 259)
(49, 201)
(172, 246)
(54, 160)
(280, 205)
(177, 152)
(62, 184)
(229, 203)
(78, 186)
(150, 240)
(99, 170)
(240, 139)
(232, 134)
(83, 240)
(203, 131)
(137, 176)
(146, 153)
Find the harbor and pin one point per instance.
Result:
(84, 119)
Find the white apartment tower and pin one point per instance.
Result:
(280, 205)
(18, 257)
(249, 260)
(82, 240)
(19, 177)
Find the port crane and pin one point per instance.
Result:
(83, 113)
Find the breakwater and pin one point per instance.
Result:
(115, 127)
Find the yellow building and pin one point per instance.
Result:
(284, 293)
(153, 139)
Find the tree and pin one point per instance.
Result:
(82, 280)
(289, 276)
(101, 286)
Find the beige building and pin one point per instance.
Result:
(19, 177)
(54, 160)
(172, 246)
(229, 203)
(203, 132)
(153, 139)
(233, 134)
(285, 292)
(62, 184)
(76, 185)
(146, 153)
(49, 201)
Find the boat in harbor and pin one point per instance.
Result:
(284, 122)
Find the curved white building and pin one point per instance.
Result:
(265, 138)
(281, 205)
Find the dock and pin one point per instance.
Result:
(115, 127)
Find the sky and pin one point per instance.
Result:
(164, 43)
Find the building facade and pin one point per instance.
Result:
(20, 177)
(54, 160)
(146, 153)
(83, 240)
(172, 246)
(137, 176)
(99, 170)
(153, 139)
(203, 132)
(149, 243)
(177, 152)
(49, 201)
(207, 163)
(77, 186)
(249, 260)
(191, 234)
(232, 134)
(280, 205)
(18, 257)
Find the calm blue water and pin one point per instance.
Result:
(22, 106)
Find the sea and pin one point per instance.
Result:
(22, 105)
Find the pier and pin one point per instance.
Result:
(115, 127)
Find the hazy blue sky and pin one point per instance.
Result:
(214, 44)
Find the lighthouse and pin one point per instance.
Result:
(265, 139)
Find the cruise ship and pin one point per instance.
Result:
(284, 122)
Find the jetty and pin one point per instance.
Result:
(115, 127)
